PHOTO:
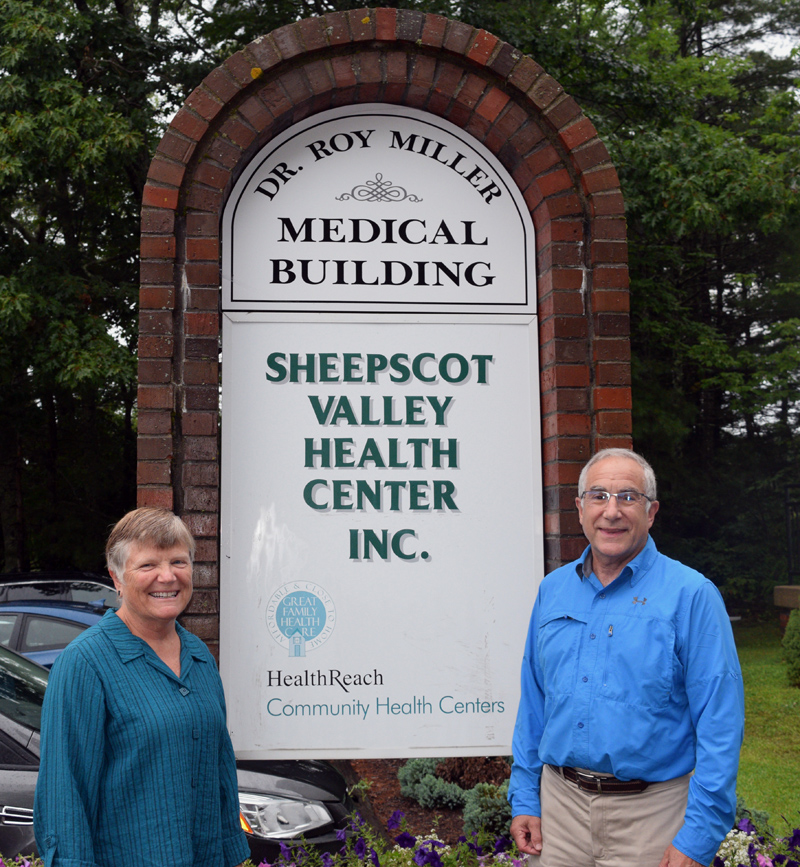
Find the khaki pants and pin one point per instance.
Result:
(580, 829)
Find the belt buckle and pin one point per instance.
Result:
(591, 779)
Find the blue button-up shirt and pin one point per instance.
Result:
(639, 679)
(137, 764)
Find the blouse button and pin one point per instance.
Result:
(183, 691)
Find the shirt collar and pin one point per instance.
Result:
(634, 571)
(130, 646)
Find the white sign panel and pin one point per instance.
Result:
(381, 537)
(377, 208)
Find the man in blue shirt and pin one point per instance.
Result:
(631, 718)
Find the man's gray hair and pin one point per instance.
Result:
(650, 489)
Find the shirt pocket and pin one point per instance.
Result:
(558, 648)
(639, 662)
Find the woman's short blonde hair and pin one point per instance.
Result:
(147, 526)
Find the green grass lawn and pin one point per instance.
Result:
(769, 771)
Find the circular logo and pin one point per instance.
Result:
(300, 617)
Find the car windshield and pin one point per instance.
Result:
(22, 686)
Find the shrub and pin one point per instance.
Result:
(433, 793)
(791, 647)
(411, 774)
(486, 808)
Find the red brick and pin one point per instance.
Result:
(154, 448)
(165, 172)
(544, 90)
(156, 272)
(615, 301)
(565, 400)
(410, 25)
(211, 175)
(370, 67)
(205, 104)
(613, 252)
(457, 37)
(525, 73)
(312, 33)
(199, 424)
(263, 52)
(239, 133)
(202, 525)
(202, 248)
(362, 24)
(505, 60)
(613, 442)
(611, 324)
(202, 224)
(175, 146)
(201, 473)
(600, 179)
(613, 373)
(337, 28)
(609, 422)
(287, 41)
(201, 398)
(492, 103)
(592, 154)
(153, 473)
(563, 112)
(221, 84)
(562, 303)
(578, 133)
(224, 152)
(566, 376)
(433, 30)
(567, 278)
(154, 397)
(570, 352)
(482, 47)
(241, 69)
(157, 247)
(607, 204)
(554, 182)
(610, 277)
(611, 349)
(159, 197)
(155, 322)
(156, 297)
(201, 448)
(319, 76)
(203, 298)
(154, 422)
(154, 371)
(563, 424)
(562, 206)
(205, 575)
(343, 73)
(201, 323)
(204, 199)
(542, 159)
(202, 601)
(189, 124)
(576, 449)
(155, 346)
(201, 372)
(156, 498)
(610, 228)
(611, 398)
(202, 273)
(157, 221)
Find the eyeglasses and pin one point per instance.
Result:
(625, 499)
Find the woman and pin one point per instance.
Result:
(137, 766)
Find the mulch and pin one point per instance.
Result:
(382, 798)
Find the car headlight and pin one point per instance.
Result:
(280, 818)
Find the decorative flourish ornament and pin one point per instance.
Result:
(378, 190)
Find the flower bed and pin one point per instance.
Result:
(744, 846)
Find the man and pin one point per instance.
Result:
(630, 682)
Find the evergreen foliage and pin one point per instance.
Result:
(791, 647)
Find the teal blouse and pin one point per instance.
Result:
(137, 765)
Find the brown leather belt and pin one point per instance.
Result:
(601, 785)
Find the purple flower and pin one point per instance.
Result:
(793, 842)
(373, 856)
(341, 835)
(286, 852)
(746, 825)
(394, 820)
(502, 844)
(405, 840)
(327, 861)
(717, 862)
(360, 848)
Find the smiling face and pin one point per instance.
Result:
(616, 535)
(155, 588)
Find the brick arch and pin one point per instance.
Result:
(448, 68)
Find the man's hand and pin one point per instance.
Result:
(674, 858)
(527, 834)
